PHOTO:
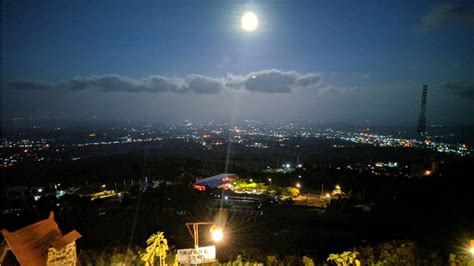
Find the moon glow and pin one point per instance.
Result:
(249, 21)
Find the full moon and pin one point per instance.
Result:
(249, 21)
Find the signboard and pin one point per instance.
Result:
(197, 256)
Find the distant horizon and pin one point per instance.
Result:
(39, 119)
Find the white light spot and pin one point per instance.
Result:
(249, 21)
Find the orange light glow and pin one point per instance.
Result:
(199, 187)
(471, 249)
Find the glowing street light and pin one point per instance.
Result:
(269, 180)
(217, 232)
(328, 196)
(298, 185)
(338, 187)
(471, 249)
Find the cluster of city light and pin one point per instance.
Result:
(125, 140)
(209, 134)
(257, 145)
(389, 141)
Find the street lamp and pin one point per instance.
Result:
(298, 185)
(217, 233)
(338, 187)
(329, 198)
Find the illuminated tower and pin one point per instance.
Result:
(421, 132)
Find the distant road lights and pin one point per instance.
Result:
(328, 196)
(298, 185)
(338, 187)
(270, 180)
(251, 180)
(427, 173)
(103, 186)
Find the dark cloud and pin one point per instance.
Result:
(108, 83)
(103, 83)
(274, 81)
(30, 85)
(203, 84)
(461, 89)
(448, 13)
(119, 83)
(270, 81)
(265, 81)
(78, 84)
(308, 80)
(162, 84)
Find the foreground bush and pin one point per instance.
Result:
(115, 257)
(387, 253)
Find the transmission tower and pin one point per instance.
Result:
(421, 132)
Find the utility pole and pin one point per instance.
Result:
(421, 131)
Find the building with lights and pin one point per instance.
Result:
(223, 181)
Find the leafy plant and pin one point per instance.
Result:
(307, 261)
(345, 258)
(387, 253)
(157, 247)
(456, 259)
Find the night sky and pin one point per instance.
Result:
(334, 61)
